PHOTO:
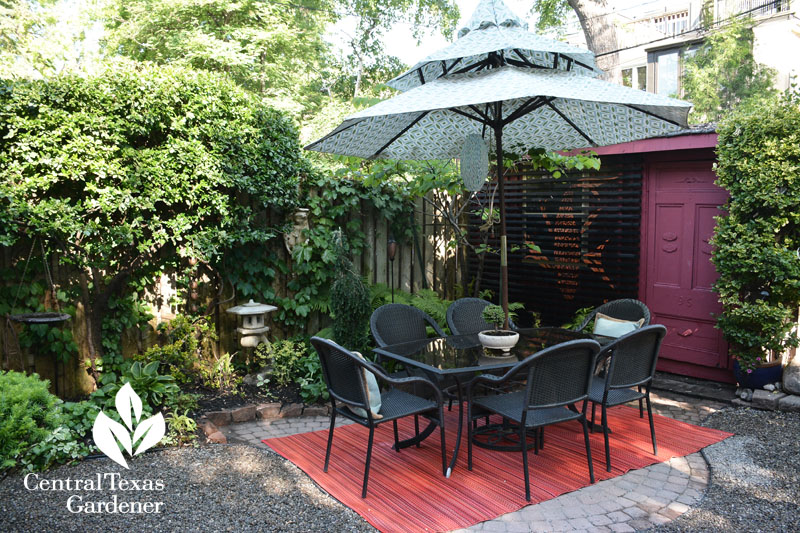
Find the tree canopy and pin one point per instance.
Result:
(723, 72)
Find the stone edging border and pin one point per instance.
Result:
(211, 421)
(767, 400)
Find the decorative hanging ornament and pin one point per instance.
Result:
(474, 162)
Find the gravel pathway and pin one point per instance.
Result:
(754, 486)
(755, 475)
(211, 488)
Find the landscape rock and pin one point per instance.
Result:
(268, 410)
(315, 410)
(244, 414)
(254, 378)
(740, 403)
(218, 438)
(291, 410)
(219, 418)
(791, 376)
(790, 402)
(209, 428)
(769, 387)
(746, 394)
(766, 400)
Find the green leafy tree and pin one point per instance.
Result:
(272, 48)
(43, 38)
(137, 169)
(376, 17)
(756, 242)
(723, 72)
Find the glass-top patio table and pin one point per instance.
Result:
(459, 358)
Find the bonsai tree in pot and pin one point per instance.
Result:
(498, 338)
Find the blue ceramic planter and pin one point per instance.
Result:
(759, 377)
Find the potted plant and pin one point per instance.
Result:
(498, 338)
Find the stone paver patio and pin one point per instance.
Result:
(638, 500)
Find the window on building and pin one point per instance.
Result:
(673, 23)
(667, 69)
(641, 78)
(666, 65)
(635, 77)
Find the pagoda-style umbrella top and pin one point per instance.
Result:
(494, 37)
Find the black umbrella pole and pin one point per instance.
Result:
(498, 135)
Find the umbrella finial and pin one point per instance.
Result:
(491, 13)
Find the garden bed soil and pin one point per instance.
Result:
(213, 400)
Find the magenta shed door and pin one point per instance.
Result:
(681, 204)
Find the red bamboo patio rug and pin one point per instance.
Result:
(407, 491)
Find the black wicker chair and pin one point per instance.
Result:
(558, 377)
(464, 316)
(397, 323)
(626, 309)
(632, 363)
(342, 369)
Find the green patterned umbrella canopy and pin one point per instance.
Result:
(514, 102)
(494, 36)
(550, 109)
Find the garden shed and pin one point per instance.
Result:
(638, 228)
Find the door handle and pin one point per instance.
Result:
(686, 333)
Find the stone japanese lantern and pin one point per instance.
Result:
(253, 331)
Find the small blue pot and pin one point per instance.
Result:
(759, 377)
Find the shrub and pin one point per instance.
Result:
(425, 300)
(28, 416)
(189, 342)
(153, 388)
(312, 384)
(285, 360)
(181, 430)
(578, 318)
(756, 242)
(220, 374)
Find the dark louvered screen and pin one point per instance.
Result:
(587, 226)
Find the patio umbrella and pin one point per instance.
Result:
(494, 36)
(520, 107)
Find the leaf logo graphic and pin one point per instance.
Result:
(109, 435)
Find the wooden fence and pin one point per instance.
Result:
(423, 262)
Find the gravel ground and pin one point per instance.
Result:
(755, 476)
(211, 488)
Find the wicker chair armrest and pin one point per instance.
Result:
(381, 374)
(432, 323)
(586, 321)
(488, 380)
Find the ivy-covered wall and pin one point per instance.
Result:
(141, 172)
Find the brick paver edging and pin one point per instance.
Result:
(212, 421)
